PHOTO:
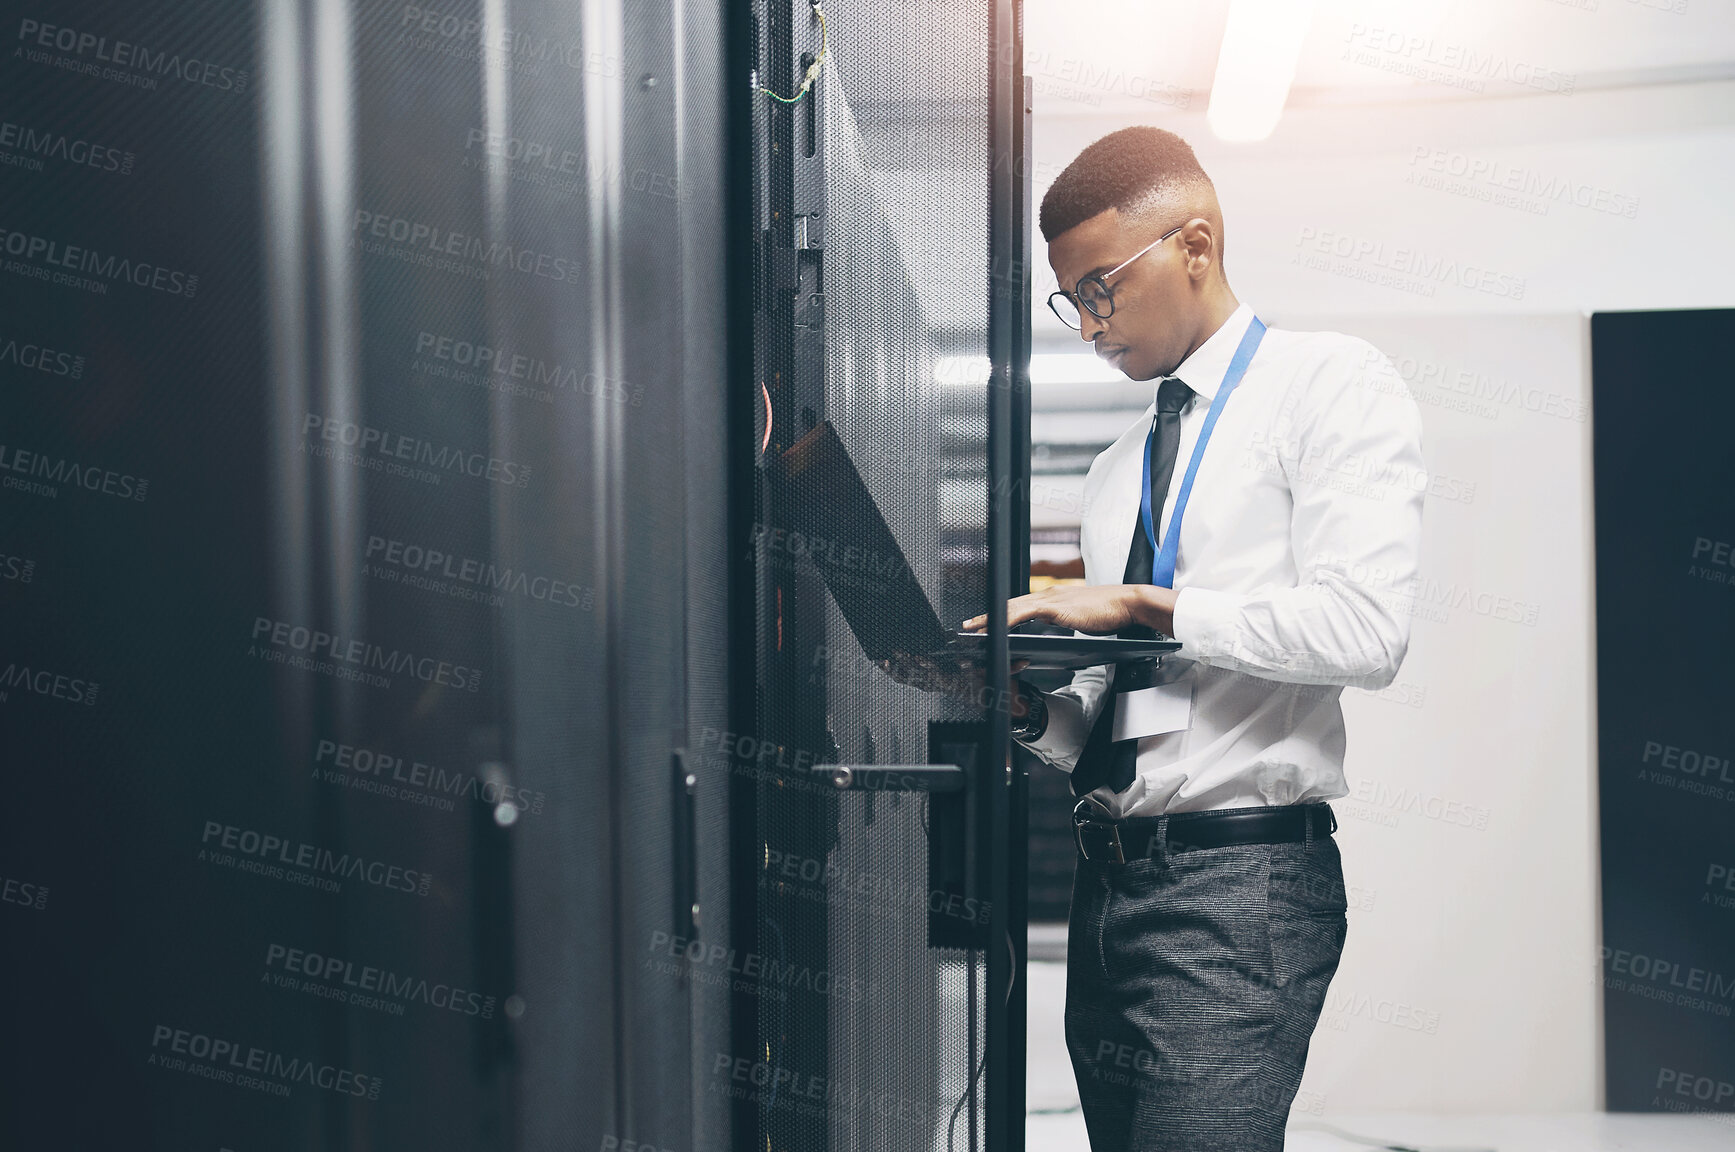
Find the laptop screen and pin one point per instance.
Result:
(828, 516)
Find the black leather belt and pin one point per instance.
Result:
(1136, 837)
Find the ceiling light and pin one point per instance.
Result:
(1261, 45)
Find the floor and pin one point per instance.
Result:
(1588, 1133)
(1055, 1125)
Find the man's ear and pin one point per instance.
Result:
(1200, 240)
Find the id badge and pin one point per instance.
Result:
(1153, 711)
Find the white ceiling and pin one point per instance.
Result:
(1111, 57)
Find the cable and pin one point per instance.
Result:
(765, 441)
(812, 69)
(970, 1088)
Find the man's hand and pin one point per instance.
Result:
(1093, 608)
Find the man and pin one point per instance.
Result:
(1208, 903)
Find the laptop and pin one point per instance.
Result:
(826, 515)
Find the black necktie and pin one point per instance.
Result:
(1104, 761)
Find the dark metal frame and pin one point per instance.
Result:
(1008, 530)
(740, 53)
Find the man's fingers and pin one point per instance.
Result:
(1017, 612)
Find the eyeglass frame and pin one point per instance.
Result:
(1102, 282)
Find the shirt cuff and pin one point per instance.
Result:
(1205, 622)
(1063, 739)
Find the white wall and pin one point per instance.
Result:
(1333, 174)
(1469, 835)
(1469, 979)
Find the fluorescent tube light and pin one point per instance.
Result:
(1261, 45)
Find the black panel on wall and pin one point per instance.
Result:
(1665, 587)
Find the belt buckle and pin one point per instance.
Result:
(1114, 837)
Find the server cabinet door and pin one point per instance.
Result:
(360, 372)
(878, 914)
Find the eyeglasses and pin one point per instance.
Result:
(1093, 291)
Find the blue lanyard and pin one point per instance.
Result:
(1163, 567)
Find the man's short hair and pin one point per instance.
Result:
(1117, 172)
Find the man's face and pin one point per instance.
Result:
(1147, 333)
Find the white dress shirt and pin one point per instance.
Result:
(1305, 517)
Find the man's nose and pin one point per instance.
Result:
(1090, 326)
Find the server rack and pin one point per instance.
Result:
(372, 195)
(901, 317)
(492, 231)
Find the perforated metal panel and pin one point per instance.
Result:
(874, 313)
(378, 793)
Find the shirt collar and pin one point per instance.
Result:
(1203, 370)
